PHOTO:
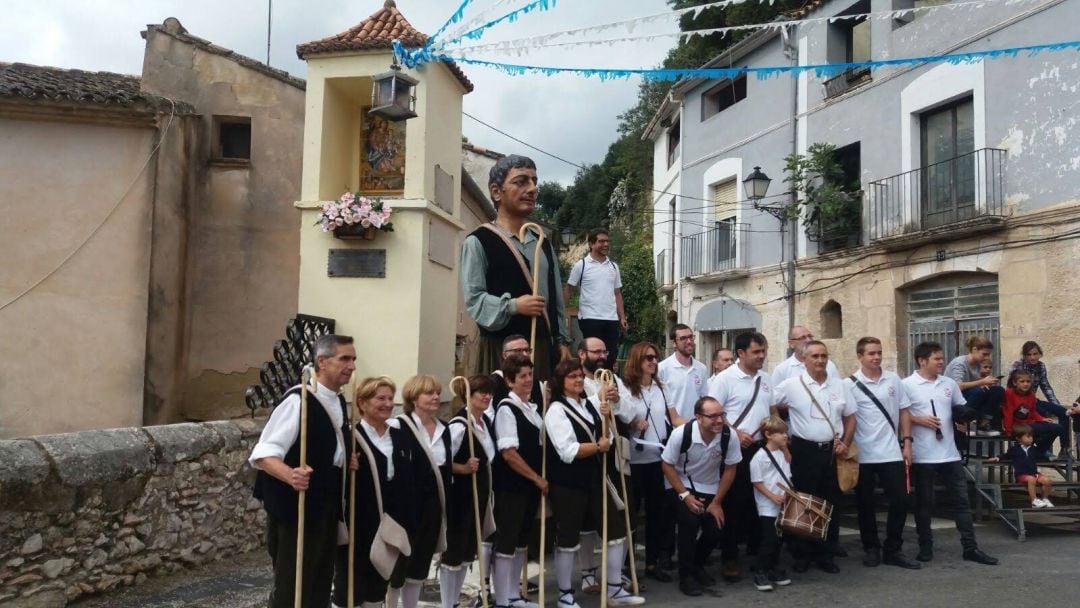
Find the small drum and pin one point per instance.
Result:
(805, 516)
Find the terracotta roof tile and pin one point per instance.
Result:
(377, 32)
(34, 82)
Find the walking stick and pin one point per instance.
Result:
(475, 491)
(626, 509)
(305, 377)
(536, 272)
(543, 499)
(604, 376)
(351, 593)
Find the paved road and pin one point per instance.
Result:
(1044, 571)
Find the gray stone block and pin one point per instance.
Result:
(24, 462)
(186, 441)
(229, 431)
(91, 457)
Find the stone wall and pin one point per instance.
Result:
(83, 513)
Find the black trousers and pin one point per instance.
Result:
(693, 549)
(320, 547)
(608, 331)
(892, 478)
(740, 512)
(769, 551)
(648, 487)
(813, 470)
(954, 479)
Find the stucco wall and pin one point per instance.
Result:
(72, 353)
(243, 251)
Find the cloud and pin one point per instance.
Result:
(567, 115)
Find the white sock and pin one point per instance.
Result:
(371, 605)
(587, 552)
(521, 560)
(503, 579)
(392, 597)
(564, 568)
(410, 594)
(488, 563)
(615, 557)
(451, 579)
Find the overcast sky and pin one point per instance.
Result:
(567, 115)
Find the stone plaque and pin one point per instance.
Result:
(357, 263)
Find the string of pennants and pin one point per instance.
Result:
(442, 50)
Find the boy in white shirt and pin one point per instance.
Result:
(770, 470)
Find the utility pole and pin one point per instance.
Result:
(269, 20)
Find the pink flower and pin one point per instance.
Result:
(375, 220)
(339, 221)
(365, 223)
(347, 198)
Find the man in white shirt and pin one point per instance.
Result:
(934, 452)
(694, 475)
(600, 307)
(280, 477)
(822, 426)
(747, 395)
(798, 338)
(883, 434)
(722, 359)
(682, 374)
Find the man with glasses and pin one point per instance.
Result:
(798, 338)
(600, 307)
(822, 425)
(691, 466)
(514, 344)
(684, 375)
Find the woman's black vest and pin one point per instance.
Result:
(582, 473)
(461, 489)
(424, 486)
(279, 499)
(396, 495)
(506, 480)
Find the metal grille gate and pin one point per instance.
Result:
(950, 315)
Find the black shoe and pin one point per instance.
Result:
(839, 552)
(828, 565)
(800, 565)
(708, 560)
(925, 554)
(665, 563)
(730, 572)
(977, 556)
(689, 586)
(532, 588)
(872, 558)
(901, 560)
(779, 578)
(762, 582)
(703, 577)
(657, 574)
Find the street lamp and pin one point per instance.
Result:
(756, 185)
(392, 95)
(566, 236)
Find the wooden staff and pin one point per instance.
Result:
(604, 377)
(475, 491)
(351, 592)
(305, 377)
(626, 509)
(543, 475)
(536, 272)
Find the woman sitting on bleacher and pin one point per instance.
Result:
(1019, 408)
(1022, 456)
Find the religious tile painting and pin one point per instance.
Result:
(382, 155)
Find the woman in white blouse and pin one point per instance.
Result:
(389, 446)
(421, 397)
(645, 409)
(575, 447)
(461, 521)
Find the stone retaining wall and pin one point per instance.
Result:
(83, 513)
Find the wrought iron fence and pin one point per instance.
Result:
(955, 190)
(846, 80)
(716, 250)
(842, 231)
(290, 356)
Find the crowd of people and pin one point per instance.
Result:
(697, 459)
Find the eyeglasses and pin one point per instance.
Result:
(597, 352)
(651, 358)
(522, 351)
(800, 338)
(712, 416)
(689, 338)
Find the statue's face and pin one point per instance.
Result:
(517, 195)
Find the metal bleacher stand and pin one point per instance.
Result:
(997, 494)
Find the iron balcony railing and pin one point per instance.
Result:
(719, 249)
(956, 190)
(844, 230)
(846, 80)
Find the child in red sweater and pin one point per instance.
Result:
(1019, 408)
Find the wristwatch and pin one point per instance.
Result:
(684, 494)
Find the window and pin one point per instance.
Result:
(232, 138)
(673, 144)
(843, 229)
(848, 41)
(723, 96)
(952, 309)
(947, 140)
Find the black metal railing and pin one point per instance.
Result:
(290, 356)
(959, 189)
(842, 230)
(716, 250)
(846, 80)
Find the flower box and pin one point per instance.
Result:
(354, 216)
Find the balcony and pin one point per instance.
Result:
(846, 81)
(720, 251)
(961, 195)
(843, 231)
(664, 271)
